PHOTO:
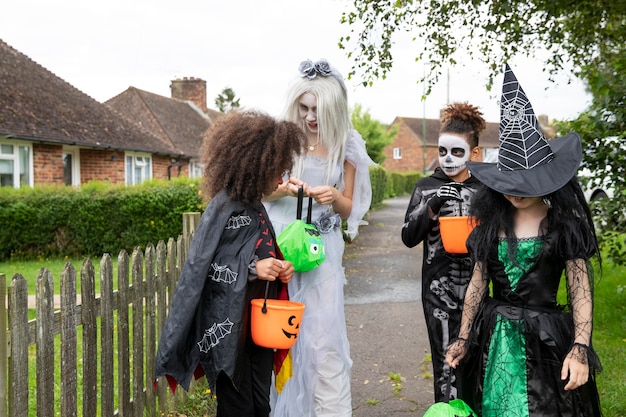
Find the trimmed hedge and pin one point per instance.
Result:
(387, 184)
(50, 221)
(94, 219)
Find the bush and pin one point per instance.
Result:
(95, 219)
(378, 177)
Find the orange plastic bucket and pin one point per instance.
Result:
(454, 232)
(278, 326)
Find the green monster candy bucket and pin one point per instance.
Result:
(301, 242)
(450, 408)
(454, 408)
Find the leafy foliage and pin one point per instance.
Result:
(376, 135)
(491, 31)
(226, 101)
(603, 129)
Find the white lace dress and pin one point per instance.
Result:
(320, 383)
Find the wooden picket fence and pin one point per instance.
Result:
(117, 326)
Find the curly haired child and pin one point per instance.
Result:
(232, 256)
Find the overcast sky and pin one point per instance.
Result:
(252, 46)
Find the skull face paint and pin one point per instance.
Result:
(454, 151)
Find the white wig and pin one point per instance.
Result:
(333, 117)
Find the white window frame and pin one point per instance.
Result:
(75, 153)
(397, 153)
(196, 168)
(15, 158)
(136, 160)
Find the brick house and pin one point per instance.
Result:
(52, 133)
(181, 120)
(406, 152)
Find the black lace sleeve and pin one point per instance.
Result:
(579, 275)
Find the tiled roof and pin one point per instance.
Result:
(37, 105)
(174, 121)
(488, 138)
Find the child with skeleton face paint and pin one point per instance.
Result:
(454, 152)
(447, 192)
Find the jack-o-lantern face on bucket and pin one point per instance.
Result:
(278, 326)
(292, 326)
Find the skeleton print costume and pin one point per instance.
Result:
(444, 276)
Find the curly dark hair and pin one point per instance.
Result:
(246, 152)
(464, 119)
(570, 216)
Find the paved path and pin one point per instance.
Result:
(385, 320)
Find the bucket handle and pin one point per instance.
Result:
(300, 204)
(264, 308)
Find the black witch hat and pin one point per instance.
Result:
(528, 165)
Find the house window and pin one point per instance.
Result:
(71, 166)
(195, 169)
(16, 165)
(397, 153)
(138, 168)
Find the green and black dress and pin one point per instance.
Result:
(521, 336)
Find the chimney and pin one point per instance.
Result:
(190, 89)
(548, 129)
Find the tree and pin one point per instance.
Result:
(225, 101)
(375, 134)
(586, 37)
(603, 129)
(491, 31)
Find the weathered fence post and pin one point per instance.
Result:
(45, 344)
(18, 361)
(150, 332)
(106, 318)
(123, 340)
(69, 323)
(138, 329)
(90, 338)
(190, 223)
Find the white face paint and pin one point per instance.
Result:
(454, 151)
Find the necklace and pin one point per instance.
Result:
(312, 147)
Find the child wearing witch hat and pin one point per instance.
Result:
(520, 352)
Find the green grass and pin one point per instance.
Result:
(30, 270)
(609, 338)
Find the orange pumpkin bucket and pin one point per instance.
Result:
(454, 232)
(276, 323)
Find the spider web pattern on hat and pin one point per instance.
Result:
(522, 143)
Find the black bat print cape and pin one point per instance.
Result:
(208, 321)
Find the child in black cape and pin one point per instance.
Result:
(231, 258)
